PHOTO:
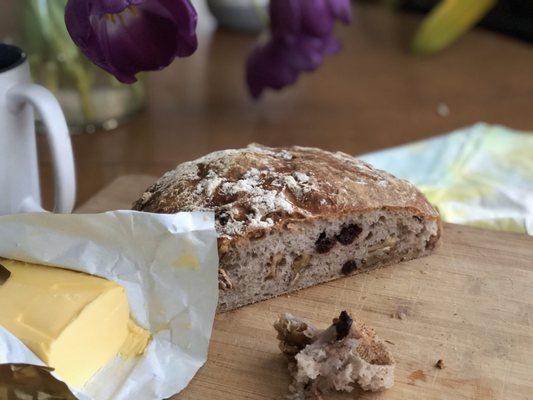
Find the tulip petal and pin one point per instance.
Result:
(77, 13)
(285, 17)
(295, 17)
(185, 18)
(331, 45)
(317, 19)
(143, 42)
(279, 62)
(267, 67)
(125, 37)
(304, 53)
(341, 9)
(301, 37)
(109, 6)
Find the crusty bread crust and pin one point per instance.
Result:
(290, 218)
(257, 188)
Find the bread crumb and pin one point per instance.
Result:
(345, 355)
(399, 315)
(443, 110)
(440, 364)
(401, 312)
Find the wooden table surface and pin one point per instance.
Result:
(469, 304)
(373, 95)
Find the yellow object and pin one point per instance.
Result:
(74, 322)
(136, 341)
(481, 175)
(447, 22)
(188, 261)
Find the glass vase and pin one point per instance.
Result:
(242, 16)
(91, 98)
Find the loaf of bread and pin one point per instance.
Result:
(289, 218)
(346, 354)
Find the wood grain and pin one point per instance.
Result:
(470, 304)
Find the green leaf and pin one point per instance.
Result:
(59, 35)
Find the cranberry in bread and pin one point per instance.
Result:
(289, 218)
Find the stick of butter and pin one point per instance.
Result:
(74, 322)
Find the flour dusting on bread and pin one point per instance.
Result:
(312, 211)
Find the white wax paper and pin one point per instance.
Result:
(167, 264)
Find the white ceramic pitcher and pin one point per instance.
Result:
(19, 173)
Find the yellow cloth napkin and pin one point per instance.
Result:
(480, 175)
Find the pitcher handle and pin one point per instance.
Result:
(59, 143)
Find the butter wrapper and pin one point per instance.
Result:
(167, 264)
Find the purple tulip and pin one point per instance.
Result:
(301, 36)
(278, 63)
(125, 37)
(307, 17)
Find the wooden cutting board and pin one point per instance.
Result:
(470, 304)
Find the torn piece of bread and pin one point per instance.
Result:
(289, 218)
(346, 353)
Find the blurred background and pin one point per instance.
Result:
(375, 94)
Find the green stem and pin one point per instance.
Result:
(83, 84)
(261, 14)
(51, 76)
(49, 44)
